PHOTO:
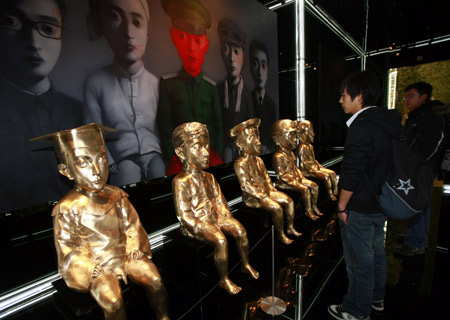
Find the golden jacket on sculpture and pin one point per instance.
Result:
(200, 205)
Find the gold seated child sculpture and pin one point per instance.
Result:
(200, 205)
(309, 166)
(99, 238)
(289, 176)
(257, 188)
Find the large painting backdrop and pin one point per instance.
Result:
(55, 78)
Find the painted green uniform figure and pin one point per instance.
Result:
(184, 98)
(188, 95)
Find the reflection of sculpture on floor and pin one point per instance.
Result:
(256, 185)
(324, 233)
(289, 176)
(200, 205)
(308, 163)
(99, 238)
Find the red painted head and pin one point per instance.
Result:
(191, 49)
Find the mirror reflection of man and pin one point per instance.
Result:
(263, 105)
(235, 97)
(188, 95)
(30, 33)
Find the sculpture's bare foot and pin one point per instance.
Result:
(293, 232)
(333, 197)
(247, 268)
(317, 211)
(283, 238)
(229, 286)
(311, 215)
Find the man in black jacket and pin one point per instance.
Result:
(361, 221)
(424, 133)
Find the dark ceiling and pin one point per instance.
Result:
(396, 23)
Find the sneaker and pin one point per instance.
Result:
(337, 312)
(408, 251)
(378, 305)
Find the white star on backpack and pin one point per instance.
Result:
(405, 186)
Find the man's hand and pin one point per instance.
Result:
(343, 216)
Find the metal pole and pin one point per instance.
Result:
(273, 264)
(299, 285)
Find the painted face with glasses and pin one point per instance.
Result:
(413, 99)
(30, 36)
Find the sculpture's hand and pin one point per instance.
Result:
(135, 255)
(98, 271)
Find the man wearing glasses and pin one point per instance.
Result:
(424, 133)
(30, 36)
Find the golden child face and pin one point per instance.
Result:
(88, 167)
(196, 152)
(249, 141)
(308, 134)
(288, 140)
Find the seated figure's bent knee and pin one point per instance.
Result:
(221, 242)
(115, 305)
(276, 209)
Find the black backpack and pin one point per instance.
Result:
(407, 188)
(445, 112)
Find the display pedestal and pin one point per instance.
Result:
(273, 305)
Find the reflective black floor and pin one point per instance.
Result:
(191, 279)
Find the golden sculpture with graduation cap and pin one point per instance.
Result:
(309, 166)
(200, 205)
(98, 236)
(257, 188)
(289, 176)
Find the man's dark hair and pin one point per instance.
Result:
(258, 45)
(422, 88)
(365, 83)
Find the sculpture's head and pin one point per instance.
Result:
(82, 155)
(246, 136)
(191, 143)
(284, 133)
(305, 131)
(190, 20)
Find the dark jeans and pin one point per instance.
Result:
(365, 259)
(417, 229)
